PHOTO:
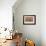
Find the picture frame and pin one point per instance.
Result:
(29, 19)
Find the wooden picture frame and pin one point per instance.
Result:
(29, 19)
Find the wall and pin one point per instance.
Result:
(28, 7)
(6, 13)
(43, 22)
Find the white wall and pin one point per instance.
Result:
(29, 7)
(6, 13)
(43, 22)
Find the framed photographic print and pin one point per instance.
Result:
(29, 19)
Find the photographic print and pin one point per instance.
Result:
(29, 19)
